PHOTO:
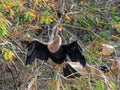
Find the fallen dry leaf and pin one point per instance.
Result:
(107, 50)
(115, 67)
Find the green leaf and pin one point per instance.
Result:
(48, 20)
(72, 6)
(42, 19)
(114, 16)
(3, 31)
(29, 16)
(12, 12)
(113, 85)
(99, 86)
(36, 1)
(105, 34)
(89, 21)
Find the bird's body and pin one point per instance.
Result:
(58, 56)
(42, 51)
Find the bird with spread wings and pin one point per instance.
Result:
(41, 51)
(55, 50)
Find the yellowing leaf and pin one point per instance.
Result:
(56, 66)
(21, 1)
(12, 13)
(38, 1)
(7, 6)
(33, 26)
(8, 55)
(16, 31)
(107, 49)
(115, 67)
(42, 19)
(45, 19)
(49, 19)
(99, 9)
(28, 35)
(36, 15)
(3, 21)
(54, 84)
(67, 18)
(45, 0)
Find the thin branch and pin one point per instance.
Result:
(16, 53)
(77, 12)
(7, 42)
(84, 73)
(10, 69)
(34, 73)
(9, 36)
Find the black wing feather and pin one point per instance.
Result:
(38, 50)
(75, 52)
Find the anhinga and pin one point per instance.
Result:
(56, 51)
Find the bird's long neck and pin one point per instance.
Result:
(54, 45)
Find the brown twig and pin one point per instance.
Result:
(9, 36)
